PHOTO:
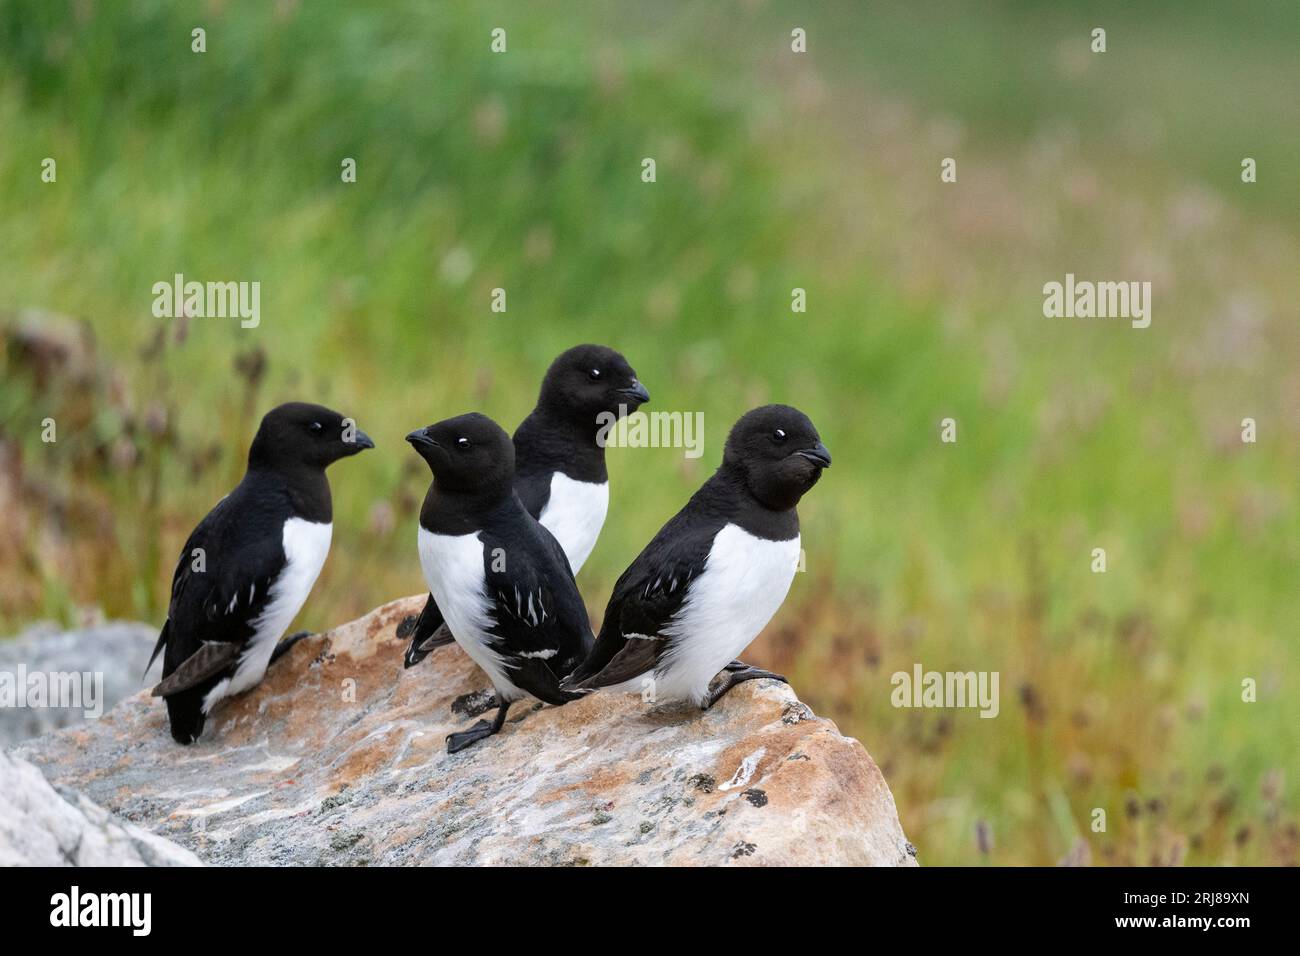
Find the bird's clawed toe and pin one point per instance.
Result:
(737, 672)
(285, 645)
(466, 738)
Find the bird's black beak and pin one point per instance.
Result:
(636, 391)
(817, 454)
(362, 440)
(420, 439)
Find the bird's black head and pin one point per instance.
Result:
(587, 380)
(468, 453)
(777, 453)
(299, 433)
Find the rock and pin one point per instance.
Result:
(339, 757)
(42, 827)
(116, 651)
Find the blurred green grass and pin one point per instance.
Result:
(774, 171)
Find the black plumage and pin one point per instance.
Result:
(581, 390)
(503, 582)
(693, 584)
(230, 591)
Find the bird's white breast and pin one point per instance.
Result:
(744, 581)
(453, 570)
(306, 545)
(574, 514)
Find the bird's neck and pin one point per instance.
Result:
(459, 511)
(305, 487)
(728, 494)
(567, 442)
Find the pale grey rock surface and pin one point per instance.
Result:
(338, 758)
(42, 826)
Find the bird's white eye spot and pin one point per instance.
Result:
(315, 428)
(462, 443)
(778, 435)
(594, 375)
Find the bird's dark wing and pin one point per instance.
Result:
(157, 648)
(534, 490)
(211, 659)
(646, 598)
(539, 617)
(221, 586)
(430, 631)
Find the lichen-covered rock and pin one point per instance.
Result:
(338, 757)
(40, 826)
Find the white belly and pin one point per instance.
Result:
(743, 584)
(574, 514)
(306, 545)
(453, 570)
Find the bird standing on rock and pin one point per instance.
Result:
(501, 580)
(717, 572)
(560, 471)
(247, 569)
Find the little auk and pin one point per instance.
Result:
(247, 569)
(560, 471)
(716, 573)
(500, 579)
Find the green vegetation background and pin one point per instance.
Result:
(776, 170)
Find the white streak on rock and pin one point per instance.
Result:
(745, 772)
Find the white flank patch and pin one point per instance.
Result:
(453, 570)
(306, 545)
(221, 690)
(744, 581)
(574, 514)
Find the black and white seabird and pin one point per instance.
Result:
(248, 567)
(501, 580)
(560, 471)
(716, 573)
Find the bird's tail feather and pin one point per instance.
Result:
(422, 647)
(535, 677)
(428, 631)
(157, 648)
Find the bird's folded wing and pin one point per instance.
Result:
(219, 592)
(538, 614)
(526, 615)
(638, 655)
(217, 598)
(646, 599)
(210, 659)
